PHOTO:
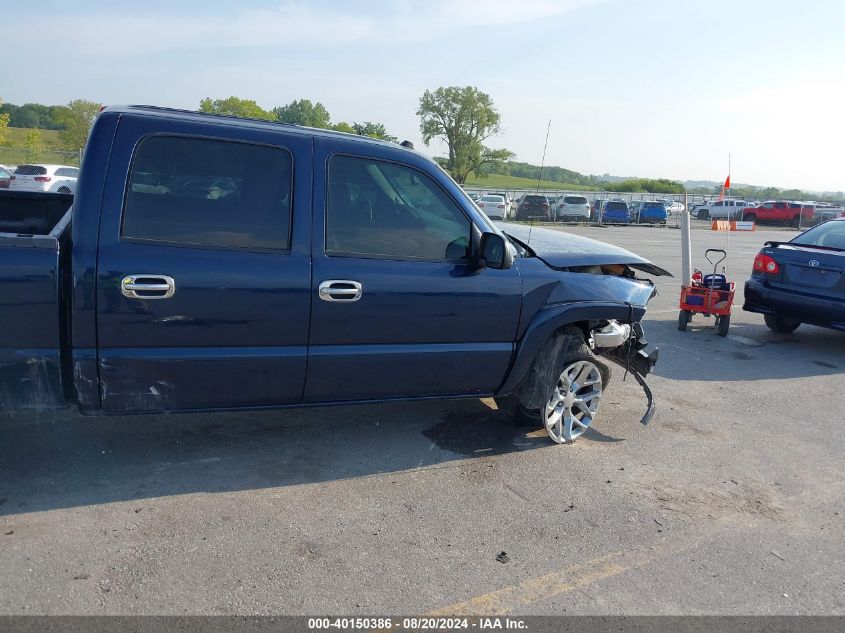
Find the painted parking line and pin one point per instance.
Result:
(515, 598)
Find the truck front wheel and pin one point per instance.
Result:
(571, 391)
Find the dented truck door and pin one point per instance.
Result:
(203, 272)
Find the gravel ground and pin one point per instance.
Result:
(729, 502)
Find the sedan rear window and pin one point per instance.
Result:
(497, 199)
(575, 200)
(30, 170)
(829, 234)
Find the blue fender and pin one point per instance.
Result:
(553, 318)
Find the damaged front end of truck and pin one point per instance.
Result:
(586, 301)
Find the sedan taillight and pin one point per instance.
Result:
(43, 179)
(765, 264)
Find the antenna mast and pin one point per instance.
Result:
(543, 161)
(540, 177)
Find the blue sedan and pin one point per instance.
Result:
(801, 281)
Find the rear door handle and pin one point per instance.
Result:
(340, 290)
(148, 286)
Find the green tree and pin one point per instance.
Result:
(76, 119)
(303, 112)
(373, 130)
(647, 185)
(464, 117)
(343, 126)
(4, 124)
(33, 146)
(235, 106)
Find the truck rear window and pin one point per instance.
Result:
(185, 190)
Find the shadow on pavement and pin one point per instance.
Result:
(62, 459)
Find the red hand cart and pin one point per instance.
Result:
(712, 296)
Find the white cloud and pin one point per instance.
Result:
(289, 25)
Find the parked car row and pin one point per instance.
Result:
(576, 207)
(39, 177)
(794, 213)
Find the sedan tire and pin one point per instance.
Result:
(780, 324)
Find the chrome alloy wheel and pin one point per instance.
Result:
(574, 402)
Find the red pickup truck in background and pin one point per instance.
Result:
(792, 213)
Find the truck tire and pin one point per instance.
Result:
(547, 379)
(780, 324)
(749, 217)
(703, 214)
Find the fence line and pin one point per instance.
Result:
(17, 155)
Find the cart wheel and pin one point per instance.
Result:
(684, 317)
(724, 324)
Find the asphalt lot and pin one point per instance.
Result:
(729, 502)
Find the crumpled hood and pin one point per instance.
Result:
(562, 250)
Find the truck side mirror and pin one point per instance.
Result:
(494, 252)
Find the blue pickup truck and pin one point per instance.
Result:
(213, 263)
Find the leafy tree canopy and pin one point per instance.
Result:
(373, 130)
(76, 119)
(645, 185)
(235, 106)
(464, 117)
(303, 112)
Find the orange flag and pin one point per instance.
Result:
(728, 182)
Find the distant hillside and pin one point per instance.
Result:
(515, 182)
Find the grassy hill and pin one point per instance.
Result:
(500, 181)
(16, 136)
(14, 153)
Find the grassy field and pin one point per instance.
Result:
(14, 153)
(515, 182)
(16, 136)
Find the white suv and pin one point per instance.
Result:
(571, 208)
(722, 210)
(51, 178)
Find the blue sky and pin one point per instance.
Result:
(649, 88)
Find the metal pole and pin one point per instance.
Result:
(686, 247)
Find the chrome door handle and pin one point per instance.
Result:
(148, 286)
(341, 290)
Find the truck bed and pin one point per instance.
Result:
(34, 253)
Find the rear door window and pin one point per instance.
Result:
(208, 192)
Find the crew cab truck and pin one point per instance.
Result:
(792, 213)
(221, 263)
